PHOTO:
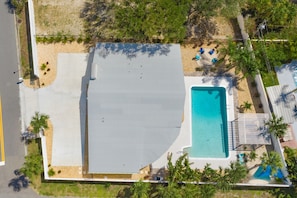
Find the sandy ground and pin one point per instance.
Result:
(47, 54)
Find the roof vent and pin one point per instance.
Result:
(94, 71)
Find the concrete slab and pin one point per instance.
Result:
(64, 103)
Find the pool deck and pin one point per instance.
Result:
(184, 138)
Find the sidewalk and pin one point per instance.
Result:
(2, 153)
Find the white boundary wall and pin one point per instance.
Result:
(32, 36)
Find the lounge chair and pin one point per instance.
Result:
(241, 158)
(197, 57)
(211, 51)
(201, 50)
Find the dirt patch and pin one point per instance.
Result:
(226, 28)
(53, 16)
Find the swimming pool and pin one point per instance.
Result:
(209, 123)
(265, 174)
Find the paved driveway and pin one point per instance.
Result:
(64, 103)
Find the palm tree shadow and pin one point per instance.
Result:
(19, 182)
(295, 111)
(285, 96)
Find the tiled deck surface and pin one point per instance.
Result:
(285, 75)
(184, 139)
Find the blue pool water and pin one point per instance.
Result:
(265, 175)
(209, 123)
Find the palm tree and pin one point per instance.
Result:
(252, 156)
(39, 122)
(140, 189)
(276, 126)
(273, 160)
(207, 191)
(245, 106)
(181, 170)
(236, 172)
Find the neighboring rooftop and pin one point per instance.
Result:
(135, 105)
(283, 96)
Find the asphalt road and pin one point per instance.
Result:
(9, 91)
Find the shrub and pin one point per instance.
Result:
(51, 172)
(79, 39)
(107, 185)
(43, 66)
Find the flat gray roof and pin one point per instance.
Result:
(135, 105)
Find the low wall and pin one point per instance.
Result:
(32, 37)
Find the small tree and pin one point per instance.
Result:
(276, 126)
(39, 122)
(245, 106)
(252, 156)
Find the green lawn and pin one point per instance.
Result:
(81, 189)
(244, 194)
(269, 79)
(24, 45)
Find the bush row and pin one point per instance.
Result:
(59, 38)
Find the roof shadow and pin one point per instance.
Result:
(233, 80)
(132, 49)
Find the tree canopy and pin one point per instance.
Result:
(149, 20)
(183, 180)
(241, 58)
(155, 20)
(291, 160)
(273, 160)
(276, 12)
